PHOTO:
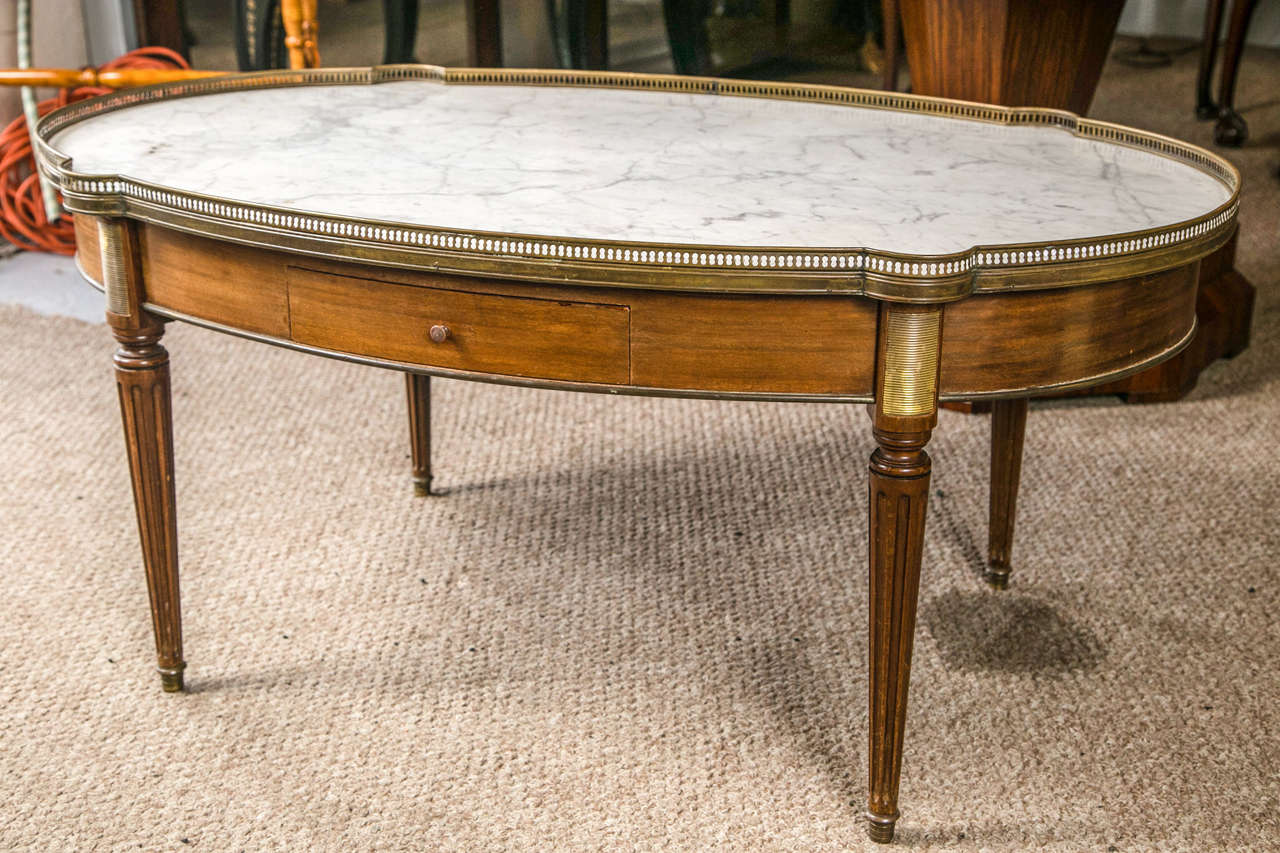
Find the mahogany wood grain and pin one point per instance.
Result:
(214, 281)
(499, 334)
(753, 343)
(1016, 52)
(1008, 426)
(891, 18)
(418, 388)
(1065, 335)
(484, 33)
(88, 252)
(716, 342)
(720, 342)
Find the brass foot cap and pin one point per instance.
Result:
(997, 580)
(171, 679)
(422, 487)
(997, 574)
(880, 828)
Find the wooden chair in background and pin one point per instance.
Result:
(301, 32)
(1231, 128)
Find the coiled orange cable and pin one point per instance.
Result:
(22, 217)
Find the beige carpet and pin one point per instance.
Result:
(635, 624)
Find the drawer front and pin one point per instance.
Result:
(757, 343)
(213, 281)
(486, 332)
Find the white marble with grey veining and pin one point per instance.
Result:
(643, 166)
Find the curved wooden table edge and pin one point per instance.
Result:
(171, 313)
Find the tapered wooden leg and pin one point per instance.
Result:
(889, 16)
(1205, 107)
(419, 389)
(400, 22)
(484, 33)
(899, 495)
(1008, 424)
(142, 377)
(904, 415)
(1231, 128)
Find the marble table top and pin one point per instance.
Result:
(643, 166)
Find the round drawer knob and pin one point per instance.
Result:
(439, 333)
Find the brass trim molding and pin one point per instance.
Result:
(115, 266)
(911, 343)
(880, 274)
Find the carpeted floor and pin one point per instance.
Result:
(637, 624)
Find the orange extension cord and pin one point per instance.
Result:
(22, 217)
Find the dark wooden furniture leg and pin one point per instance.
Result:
(595, 34)
(687, 35)
(401, 30)
(1205, 107)
(904, 415)
(159, 23)
(484, 33)
(142, 379)
(1232, 128)
(889, 14)
(589, 33)
(1008, 425)
(580, 29)
(419, 389)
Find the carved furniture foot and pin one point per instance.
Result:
(1231, 129)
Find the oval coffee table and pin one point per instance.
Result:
(639, 234)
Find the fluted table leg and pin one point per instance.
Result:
(142, 378)
(419, 392)
(1008, 425)
(904, 415)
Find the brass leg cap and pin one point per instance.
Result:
(422, 487)
(171, 680)
(880, 828)
(997, 575)
(997, 580)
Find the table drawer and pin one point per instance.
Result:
(486, 332)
